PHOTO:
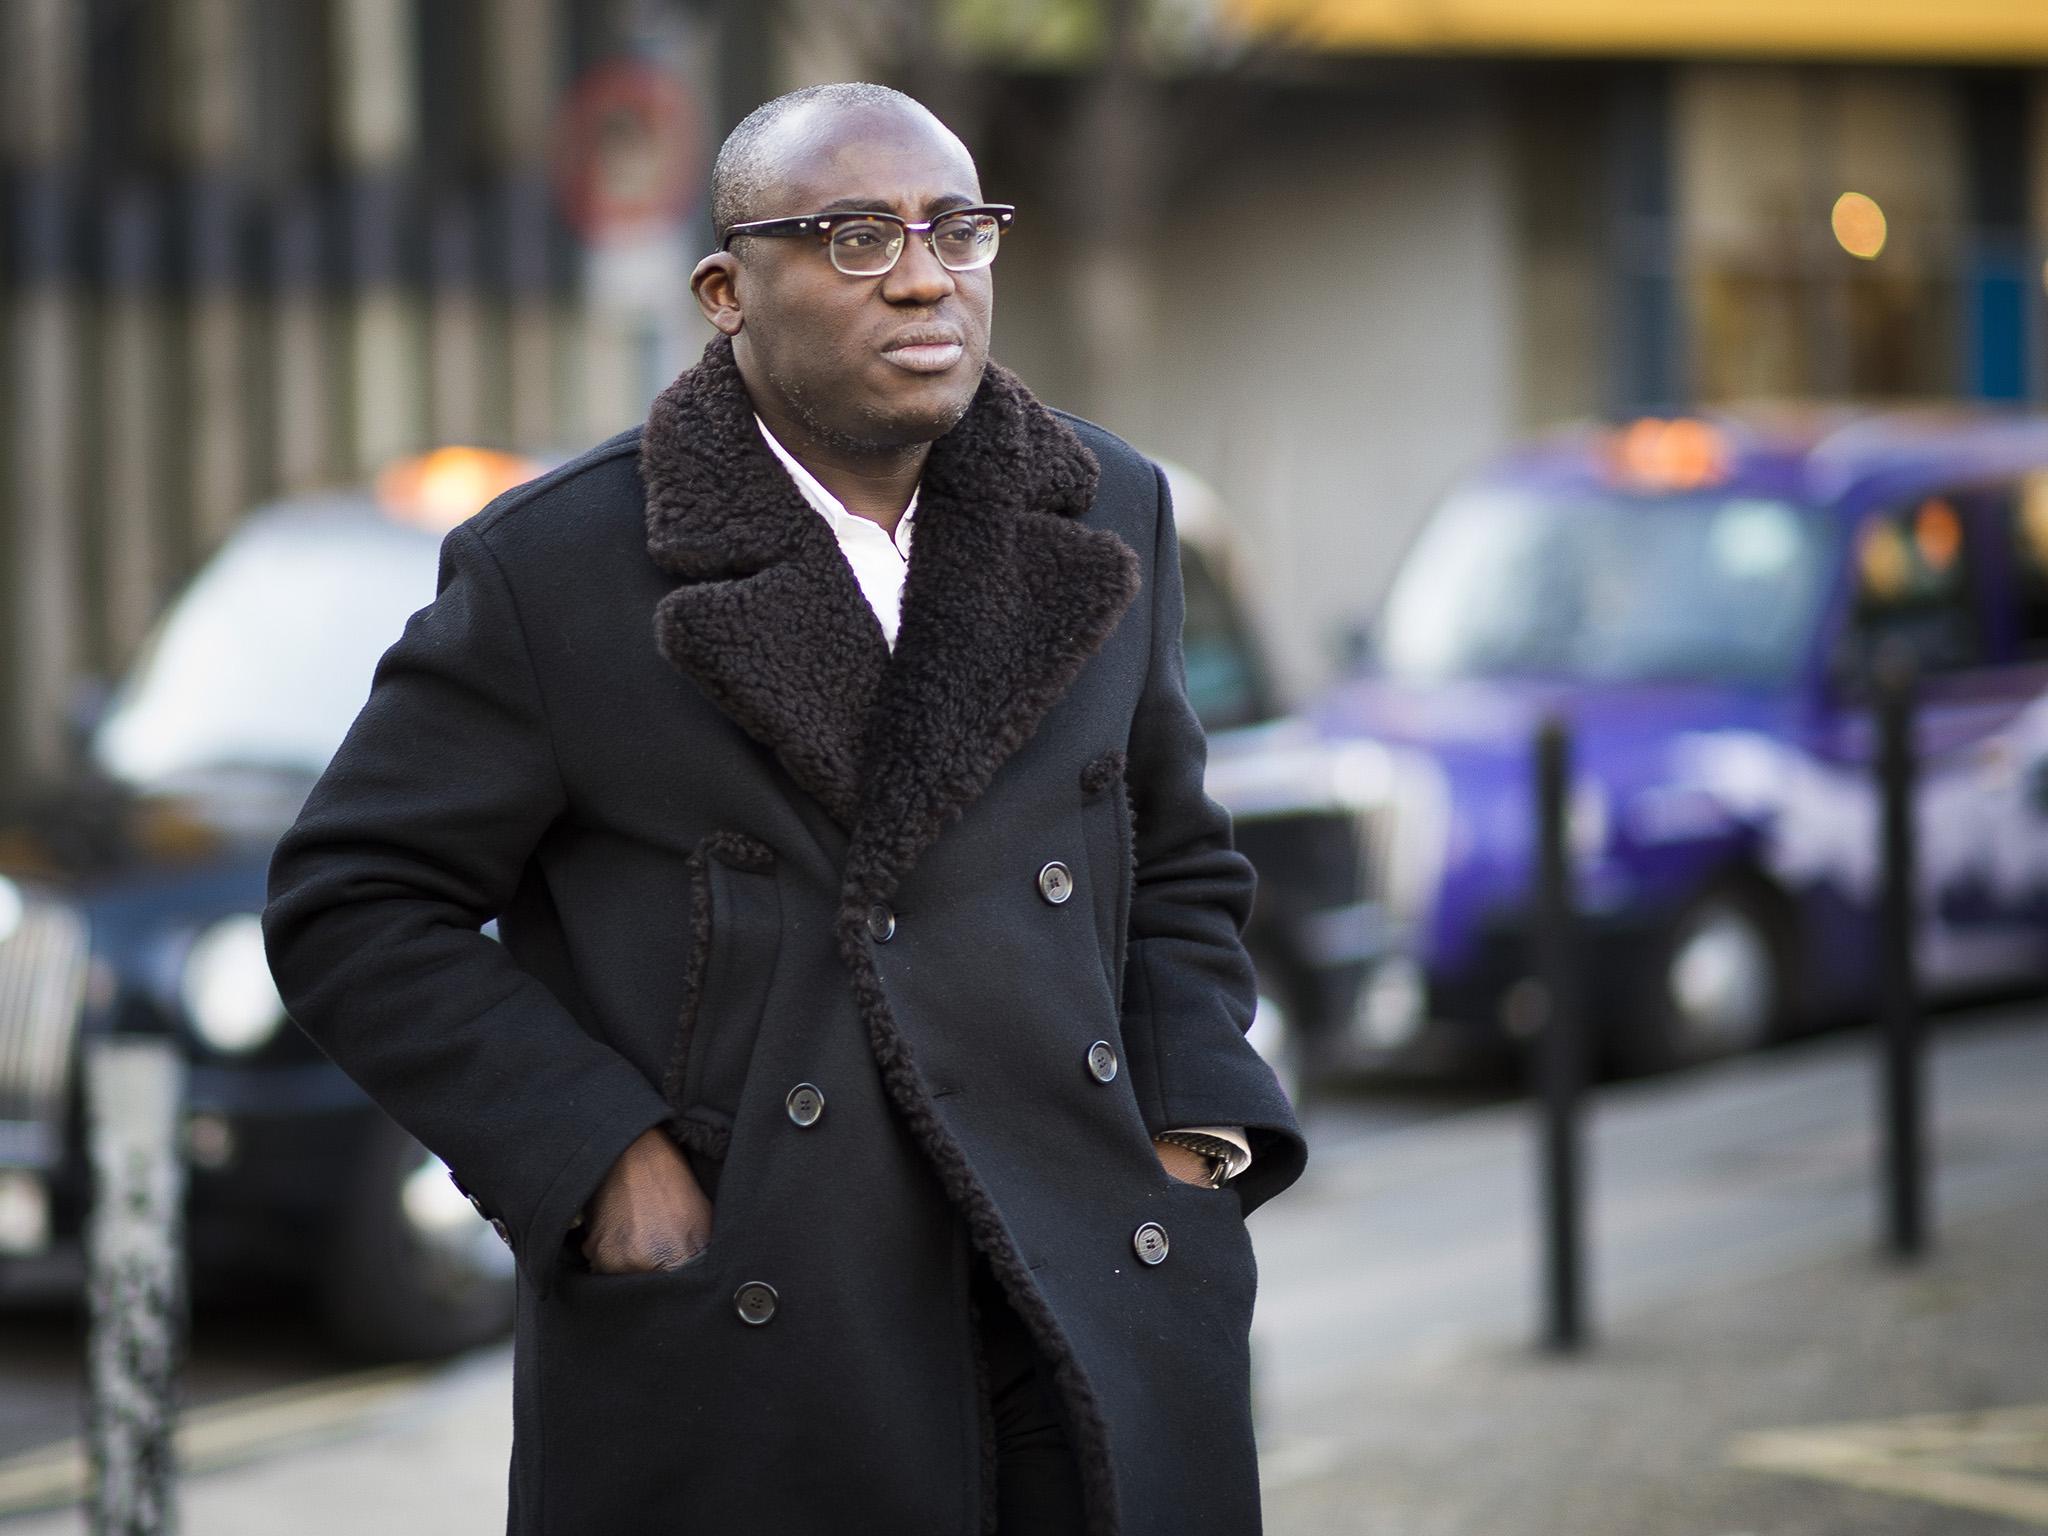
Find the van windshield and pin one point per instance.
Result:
(1506, 583)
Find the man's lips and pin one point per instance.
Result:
(927, 349)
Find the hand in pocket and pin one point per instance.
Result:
(649, 1213)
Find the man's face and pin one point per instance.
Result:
(864, 363)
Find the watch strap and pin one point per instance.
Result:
(1221, 1154)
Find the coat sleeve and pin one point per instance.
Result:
(1188, 982)
(417, 834)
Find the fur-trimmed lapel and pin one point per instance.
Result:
(1007, 597)
(768, 618)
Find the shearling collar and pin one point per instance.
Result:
(1007, 596)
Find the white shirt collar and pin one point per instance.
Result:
(828, 506)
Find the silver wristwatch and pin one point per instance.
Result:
(1215, 1148)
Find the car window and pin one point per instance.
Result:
(1599, 585)
(266, 657)
(1914, 586)
(2023, 508)
(1223, 675)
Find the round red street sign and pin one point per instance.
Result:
(628, 146)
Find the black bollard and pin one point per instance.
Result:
(1905, 1172)
(1560, 1046)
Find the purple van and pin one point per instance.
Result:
(1701, 601)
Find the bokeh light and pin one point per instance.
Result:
(1938, 531)
(1859, 225)
(1882, 560)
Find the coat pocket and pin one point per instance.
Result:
(628, 1364)
(1112, 861)
(736, 933)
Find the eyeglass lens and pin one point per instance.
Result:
(869, 247)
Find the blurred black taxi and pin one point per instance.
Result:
(129, 903)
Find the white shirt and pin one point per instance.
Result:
(878, 560)
(879, 563)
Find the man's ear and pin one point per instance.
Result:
(716, 283)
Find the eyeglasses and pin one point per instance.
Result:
(865, 244)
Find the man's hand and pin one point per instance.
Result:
(649, 1213)
(1189, 1166)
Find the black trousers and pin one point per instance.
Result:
(1038, 1487)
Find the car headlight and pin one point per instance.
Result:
(226, 986)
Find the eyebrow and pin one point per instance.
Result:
(941, 202)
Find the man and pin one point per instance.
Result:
(823, 750)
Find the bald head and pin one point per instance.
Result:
(753, 162)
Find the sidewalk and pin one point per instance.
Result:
(1675, 1424)
(1740, 1311)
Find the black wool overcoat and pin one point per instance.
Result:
(735, 845)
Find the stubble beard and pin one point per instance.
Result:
(877, 437)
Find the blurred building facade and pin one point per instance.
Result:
(1325, 252)
(252, 247)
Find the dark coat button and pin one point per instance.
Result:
(805, 1103)
(1150, 1241)
(504, 1232)
(1102, 1062)
(881, 923)
(1055, 882)
(755, 1301)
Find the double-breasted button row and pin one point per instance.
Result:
(805, 1103)
(1055, 884)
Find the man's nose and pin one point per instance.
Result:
(918, 276)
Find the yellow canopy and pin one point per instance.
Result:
(2012, 31)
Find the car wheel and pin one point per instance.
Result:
(413, 1270)
(1716, 987)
